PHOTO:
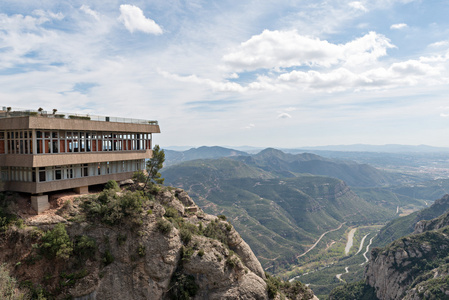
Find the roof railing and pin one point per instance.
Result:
(7, 112)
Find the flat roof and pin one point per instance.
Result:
(8, 112)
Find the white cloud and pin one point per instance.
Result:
(398, 26)
(283, 49)
(357, 5)
(284, 116)
(86, 9)
(250, 126)
(134, 20)
(215, 85)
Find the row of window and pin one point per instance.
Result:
(21, 142)
(54, 173)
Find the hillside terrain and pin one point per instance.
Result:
(132, 244)
(279, 217)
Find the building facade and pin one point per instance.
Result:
(40, 152)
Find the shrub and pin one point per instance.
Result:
(222, 217)
(111, 207)
(214, 231)
(108, 258)
(171, 212)
(182, 286)
(141, 250)
(9, 288)
(112, 185)
(186, 253)
(57, 243)
(164, 226)
(121, 239)
(85, 246)
(139, 176)
(201, 253)
(186, 235)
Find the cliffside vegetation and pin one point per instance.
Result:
(130, 243)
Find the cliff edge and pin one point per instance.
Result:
(135, 244)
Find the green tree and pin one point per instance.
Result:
(154, 165)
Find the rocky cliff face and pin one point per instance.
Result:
(167, 248)
(414, 266)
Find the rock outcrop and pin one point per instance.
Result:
(161, 251)
(414, 266)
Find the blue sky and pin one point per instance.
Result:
(259, 73)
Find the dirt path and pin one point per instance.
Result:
(316, 243)
(350, 240)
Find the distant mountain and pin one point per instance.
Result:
(289, 165)
(279, 217)
(389, 148)
(173, 157)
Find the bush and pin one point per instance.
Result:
(215, 231)
(112, 185)
(201, 253)
(85, 246)
(186, 235)
(9, 288)
(108, 258)
(164, 226)
(222, 217)
(182, 286)
(139, 176)
(112, 208)
(141, 250)
(57, 243)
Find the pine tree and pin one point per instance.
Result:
(154, 165)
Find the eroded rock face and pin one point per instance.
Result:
(402, 270)
(145, 258)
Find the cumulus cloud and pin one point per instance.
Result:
(134, 20)
(358, 5)
(87, 10)
(283, 49)
(398, 26)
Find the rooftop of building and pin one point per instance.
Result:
(8, 112)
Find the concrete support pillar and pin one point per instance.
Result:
(82, 190)
(40, 203)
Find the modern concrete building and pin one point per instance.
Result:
(42, 152)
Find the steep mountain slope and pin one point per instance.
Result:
(279, 218)
(415, 266)
(155, 244)
(402, 226)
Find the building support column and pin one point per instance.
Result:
(40, 203)
(82, 190)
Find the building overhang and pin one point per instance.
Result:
(44, 160)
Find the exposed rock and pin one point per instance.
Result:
(139, 261)
(415, 266)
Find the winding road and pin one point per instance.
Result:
(361, 244)
(367, 249)
(316, 243)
